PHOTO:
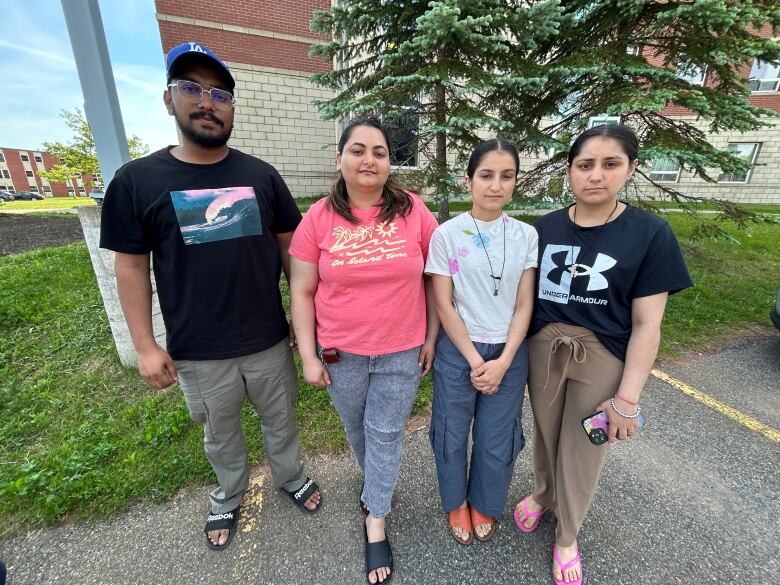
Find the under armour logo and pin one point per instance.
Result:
(559, 267)
(596, 279)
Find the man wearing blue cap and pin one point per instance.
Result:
(218, 224)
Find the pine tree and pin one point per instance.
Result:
(535, 71)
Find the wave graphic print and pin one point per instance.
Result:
(212, 215)
(366, 239)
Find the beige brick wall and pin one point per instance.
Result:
(763, 185)
(277, 121)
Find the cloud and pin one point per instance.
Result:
(40, 78)
(48, 56)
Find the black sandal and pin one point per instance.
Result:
(302, 495)
(378, 555)
(219, 522)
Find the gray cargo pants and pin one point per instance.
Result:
(215, 391)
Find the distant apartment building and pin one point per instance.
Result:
(266, 45)
(20, 171)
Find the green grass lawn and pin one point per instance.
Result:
(82, 437)
(47, 204)
(735, 284)
(704, 206)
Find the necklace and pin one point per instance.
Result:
(496, 279)
(573, 269)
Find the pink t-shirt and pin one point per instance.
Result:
(370, 299)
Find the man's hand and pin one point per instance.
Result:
(293, 341)
(156, 367)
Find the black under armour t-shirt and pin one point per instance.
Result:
(210, 229)
(588, 276)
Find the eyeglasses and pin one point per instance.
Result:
(193, 92)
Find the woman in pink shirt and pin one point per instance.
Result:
(358, 302)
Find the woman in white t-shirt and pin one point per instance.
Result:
(483, 265)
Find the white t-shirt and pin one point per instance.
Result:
(457, 251)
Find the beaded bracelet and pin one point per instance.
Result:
(626, 400)
(623, 414)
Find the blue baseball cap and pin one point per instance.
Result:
(193, 50)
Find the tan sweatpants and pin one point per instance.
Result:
(570, 374)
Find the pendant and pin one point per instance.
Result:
(496, 282)
(573, 270)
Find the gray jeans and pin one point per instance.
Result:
(215, 390)
(374, 396)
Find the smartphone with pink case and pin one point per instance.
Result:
(597, 426)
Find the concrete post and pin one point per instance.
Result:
(101, 104)
(101, 107)
(103, 264)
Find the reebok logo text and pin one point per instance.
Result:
(301, 491)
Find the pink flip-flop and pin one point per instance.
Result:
(565, 566)
(528, 514)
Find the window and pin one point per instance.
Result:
(38, 158)
(11, 189)
(82, 190)
(747, 151)
(404, 130)
(46, 189)
(25, 158)
(70, 189)
(2, 157)
(632, 50)
(33, 188)
(28, 173)
(6, 174)
(664, 170)
(692, 73)
(603, 119)
(764, 76)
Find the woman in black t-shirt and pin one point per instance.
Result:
(605, 272)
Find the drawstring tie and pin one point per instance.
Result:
(576, 351)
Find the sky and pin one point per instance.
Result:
(40, 80)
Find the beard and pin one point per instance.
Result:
(206, 140)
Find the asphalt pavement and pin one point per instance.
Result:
(693, 499)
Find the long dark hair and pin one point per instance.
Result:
(623, 134)
(395, 201)
(488, 146)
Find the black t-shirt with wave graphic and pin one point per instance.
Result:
(636, 255)
(210, 229)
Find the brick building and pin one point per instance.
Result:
(762, 147)
(19, 171)
(266, 45)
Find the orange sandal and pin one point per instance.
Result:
(478, 518)
(459, 518)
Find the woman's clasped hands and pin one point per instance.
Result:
(486, 376)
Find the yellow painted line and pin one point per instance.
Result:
(252, 503)
(724, 409)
